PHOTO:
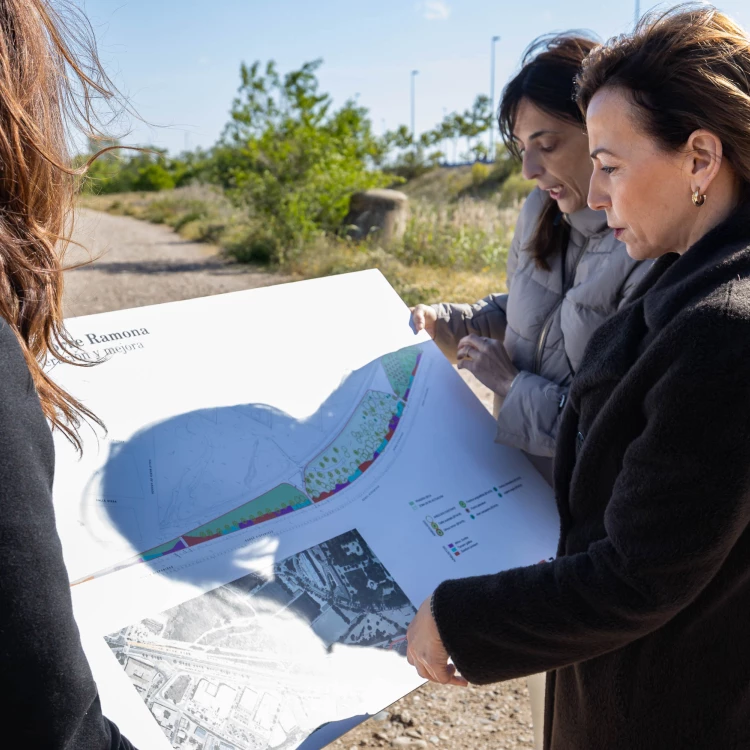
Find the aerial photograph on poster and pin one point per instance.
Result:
(241, 667)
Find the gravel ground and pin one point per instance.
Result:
(137, 264)
(143, 264)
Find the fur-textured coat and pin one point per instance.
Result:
(643, 619)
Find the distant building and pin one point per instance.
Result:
(217, 699)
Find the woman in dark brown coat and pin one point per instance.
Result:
(642, 619)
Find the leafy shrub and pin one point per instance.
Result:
(291, 160)
(114, 172)
(153, 177)
(479, 173)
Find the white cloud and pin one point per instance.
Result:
(435, 10)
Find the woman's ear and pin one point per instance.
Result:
(706, 155)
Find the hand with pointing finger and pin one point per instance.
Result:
(426, 651)
(488, 361)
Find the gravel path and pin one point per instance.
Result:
(142, 264)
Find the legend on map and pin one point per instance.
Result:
(488, 500)
(441, 521)
(460, 547)
(424, 501)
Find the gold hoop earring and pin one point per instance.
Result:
(698, 199)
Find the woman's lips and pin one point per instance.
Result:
(618, 232)
(556, 192)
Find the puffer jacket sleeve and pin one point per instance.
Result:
(483, 318)
(486, 317)
(529, 417)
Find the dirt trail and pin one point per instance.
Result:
(143, 264)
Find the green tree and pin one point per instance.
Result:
(402, 138)
(443, 133)
(123, 170)
(153, 176)
(292, 158)
(473, 123)
(452, 126)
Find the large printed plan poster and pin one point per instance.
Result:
(287, 473)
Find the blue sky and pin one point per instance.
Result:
(178, 60)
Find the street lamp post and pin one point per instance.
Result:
(442, 143)
(637, 11)
(414, 74)
(495, 40)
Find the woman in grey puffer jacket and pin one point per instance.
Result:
(566, 271)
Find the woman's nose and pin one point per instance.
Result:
(598, 198)
(531, 168)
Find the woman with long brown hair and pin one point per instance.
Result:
(641, 620)
(50, 80)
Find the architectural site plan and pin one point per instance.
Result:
(282, 482)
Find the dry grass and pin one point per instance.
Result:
(439, 185)
(469, 234)
(450, 252)
(414, 283)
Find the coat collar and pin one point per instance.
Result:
(710, 262)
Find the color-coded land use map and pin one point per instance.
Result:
(363, 439)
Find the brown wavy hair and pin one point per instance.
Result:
(547, 77)
(51, 86)
(684, 70)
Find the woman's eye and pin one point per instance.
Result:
(547, 149)
(608, 170)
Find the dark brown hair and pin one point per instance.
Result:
(685, 69)
(51, 85)
(547, 79)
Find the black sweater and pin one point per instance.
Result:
(49, 698)
(642, 620)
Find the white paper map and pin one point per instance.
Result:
(287, 473)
